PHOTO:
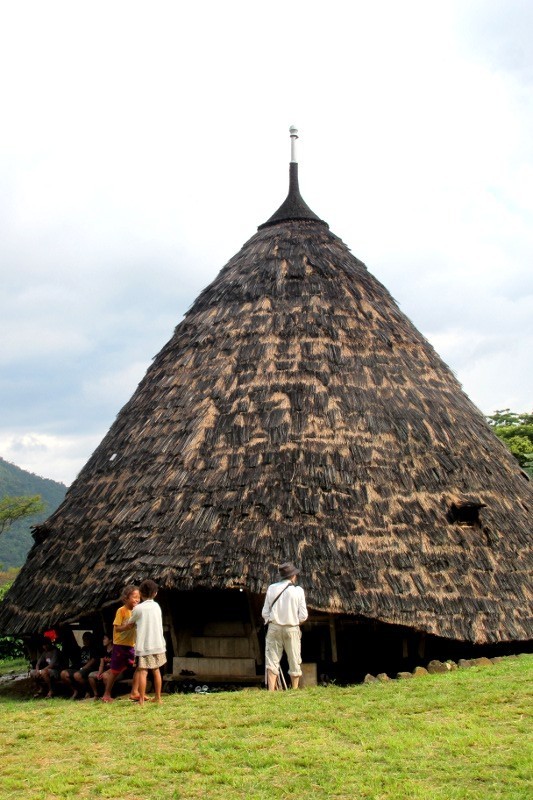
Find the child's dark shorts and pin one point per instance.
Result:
(122, 657)
(71, 672)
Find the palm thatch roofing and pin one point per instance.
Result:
(296, 413)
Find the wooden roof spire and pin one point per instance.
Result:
(294, 206)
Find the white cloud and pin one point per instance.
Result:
(118, 384)
(57, 457)
(141, 146)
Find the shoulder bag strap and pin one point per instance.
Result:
(277, 598)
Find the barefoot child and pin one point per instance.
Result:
(75, 678)
(123, 653)
(150, 646)
(46, 669)
(99, 677)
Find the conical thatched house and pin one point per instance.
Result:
(297, 414)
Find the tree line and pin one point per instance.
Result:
(516, 431)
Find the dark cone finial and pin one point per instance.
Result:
(294, 206)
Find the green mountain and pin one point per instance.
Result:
(17, 540)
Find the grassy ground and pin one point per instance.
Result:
(461, 735)
(16, 665)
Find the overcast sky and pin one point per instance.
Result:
(142, 143)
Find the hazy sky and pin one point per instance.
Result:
(141, 145)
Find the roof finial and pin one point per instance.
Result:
(294, 206)
(294, 135)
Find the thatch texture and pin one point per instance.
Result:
(296, 414)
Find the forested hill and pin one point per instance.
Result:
(17, 540)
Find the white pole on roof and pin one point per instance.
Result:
(294, 135)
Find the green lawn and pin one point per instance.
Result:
(13, 665)
(466, 734)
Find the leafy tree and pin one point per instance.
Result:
(14, 508)
(516, 431)
(6, 579)
(10, 646)
(17, 540)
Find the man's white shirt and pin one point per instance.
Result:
(290, 609)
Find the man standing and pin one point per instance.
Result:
(284, 611)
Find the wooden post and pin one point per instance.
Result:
(169, 620)
(254, 638)
(333, 636)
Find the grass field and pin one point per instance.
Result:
(9, 665)
(465, 734)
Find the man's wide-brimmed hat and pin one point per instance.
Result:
(288, 569)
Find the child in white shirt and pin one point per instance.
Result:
(150, 646)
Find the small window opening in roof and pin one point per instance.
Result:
(465, 514)
(113, 457)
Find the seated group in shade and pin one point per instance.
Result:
(79, 671)
(88, 672)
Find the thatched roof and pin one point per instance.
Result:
(297, 414)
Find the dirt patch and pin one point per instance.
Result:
(18, 687)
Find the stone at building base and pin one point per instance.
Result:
(482, 662)
(308, 675)
(436, 667)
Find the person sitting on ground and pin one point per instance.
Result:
(123, 654)
(76, 677)
(150, 645)
(99, 676)
(46, 670)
